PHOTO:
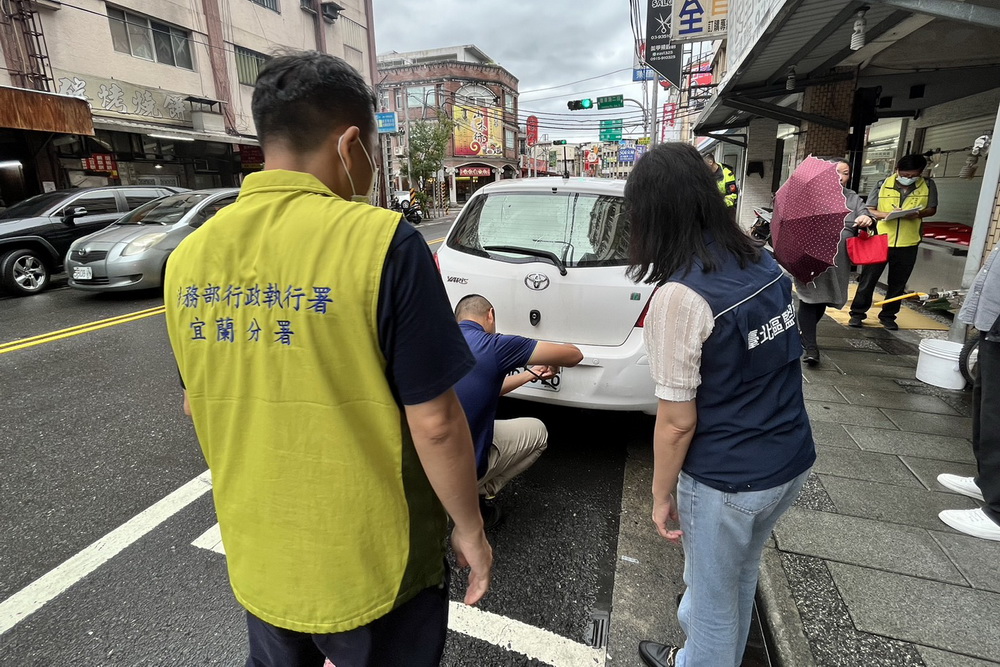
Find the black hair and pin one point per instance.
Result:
(673, 201)
(914, 162)
(475, 305)
(300, 98)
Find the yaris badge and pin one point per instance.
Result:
(536, 281)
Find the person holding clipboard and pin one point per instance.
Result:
(899, 203)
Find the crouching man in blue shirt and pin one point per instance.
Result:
(504, 448)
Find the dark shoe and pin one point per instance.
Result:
(889, 324)
(856, 321)
(811, 356)
(492, 516)
(658, 655)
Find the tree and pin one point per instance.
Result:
(427, 145)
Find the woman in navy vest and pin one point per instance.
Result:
(732, 437)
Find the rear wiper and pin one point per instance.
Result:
(533, 252)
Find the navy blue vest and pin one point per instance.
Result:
(753, 432)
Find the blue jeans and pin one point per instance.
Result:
(724, 536)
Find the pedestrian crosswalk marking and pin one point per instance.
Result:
(507, 633)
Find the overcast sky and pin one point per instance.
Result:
(543, 43)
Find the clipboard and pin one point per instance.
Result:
(904, 213)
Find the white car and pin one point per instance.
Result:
(550, 254)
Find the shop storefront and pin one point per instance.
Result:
(469, 178)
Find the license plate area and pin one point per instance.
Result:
(83, 273)
(550, 384)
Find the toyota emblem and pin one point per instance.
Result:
(83, 252)
(536, 281)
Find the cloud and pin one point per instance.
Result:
(543, 44)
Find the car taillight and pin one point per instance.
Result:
(641, 322)
(437, 262)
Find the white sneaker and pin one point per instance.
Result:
(964, 485)
(972, 522)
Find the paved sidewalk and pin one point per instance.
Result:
(862, 572)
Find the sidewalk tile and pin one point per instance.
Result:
(876, 370)
(859, 464)
(915, 402)
(976, 559)
(823, 392)
(896, 504)
(839, 343)
(944, 616)
(847, 414)
(927, 470)
(814, 497)
(923, 422)
(933, 657)
(841, 381)
(912, 444)
(848, 539)
(872, 359)
(834, 435)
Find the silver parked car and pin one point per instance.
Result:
(132, 253)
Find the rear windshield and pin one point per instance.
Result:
(580, 229)
(165, 211)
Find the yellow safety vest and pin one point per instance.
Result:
(727, 186)
(327, 518)
(903, 232)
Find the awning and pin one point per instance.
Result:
(802, 43)
(24, 109)
(120, 125)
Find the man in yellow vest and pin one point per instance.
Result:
(726, 181)
(319, 353)
(904, 190)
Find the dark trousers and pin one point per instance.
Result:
(411, 635)
(809, 316)
(986, 424)
(901, 261)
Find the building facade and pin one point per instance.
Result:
(465, 85)
(168, 85)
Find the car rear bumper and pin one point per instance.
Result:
(608, 378)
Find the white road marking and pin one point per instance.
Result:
(508, 634)
(53, 583)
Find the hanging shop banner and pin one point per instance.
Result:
(699, 20)
(387, 122)
(532, 127)
(661, 53)
(478, 131)
(475, 171)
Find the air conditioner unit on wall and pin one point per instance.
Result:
(330, 11)
(308, 5)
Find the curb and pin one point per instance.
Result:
(782, 615)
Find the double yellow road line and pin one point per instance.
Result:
(23, 343)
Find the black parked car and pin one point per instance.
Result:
(36, 233)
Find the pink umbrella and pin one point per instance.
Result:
(809, 212)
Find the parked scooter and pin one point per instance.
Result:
(412, 212)
(761, 228)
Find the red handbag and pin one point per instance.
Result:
(868, 248)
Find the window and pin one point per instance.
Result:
(419, 96)
(248, 64)
(136, 198)
(273, 5)
(150, 40)
(96, 203)
(581, 229)
(508, 102)
(399, 98)
(508, 136)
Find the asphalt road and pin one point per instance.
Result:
(91, 435)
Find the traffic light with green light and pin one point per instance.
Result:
(559, 142)
(577, 105)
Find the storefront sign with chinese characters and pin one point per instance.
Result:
(251, 157)
(475, 171)
(100, 162)
(699, 20)
(111, 97)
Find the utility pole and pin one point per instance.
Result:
(406, 124)
(565, 163)
(653, 115)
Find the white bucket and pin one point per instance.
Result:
(938, 364)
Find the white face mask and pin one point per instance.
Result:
(363, 198)
(905, 180)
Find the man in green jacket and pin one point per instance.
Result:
(725, 179)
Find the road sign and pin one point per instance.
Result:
(643, 141)
(386, 122)
(613, 134)
(626, 155)
(611, 102)
(611, 123)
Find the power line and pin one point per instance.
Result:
(572, 83)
